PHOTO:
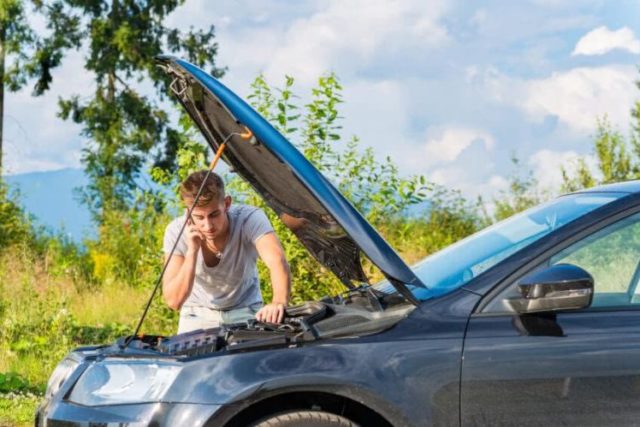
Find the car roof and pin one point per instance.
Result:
(617, 187)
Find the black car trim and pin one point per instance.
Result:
(608, 308)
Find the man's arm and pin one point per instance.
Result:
(181, 271)
(271, 252)
(178, 279)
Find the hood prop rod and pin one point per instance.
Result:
(246, 135)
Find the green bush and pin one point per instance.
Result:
(15, 225)
(129, 244)
(64, 258)
(42, 335)
(13, 382)
(375, 187)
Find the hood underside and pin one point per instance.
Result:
(331, 229)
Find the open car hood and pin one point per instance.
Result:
(329, 227)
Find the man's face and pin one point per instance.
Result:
(211, 220)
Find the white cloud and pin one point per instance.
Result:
(460, 158)
(471, 182)
(18, 164)
(417, 77)
(577, 97)
(547, 166)
(580, 95)
(376, 111)
(349, 34)
(498, 183)
(479, 17)
(602, 40)
(307, 39)
(446, 145)
(471, 74)
(35, 138)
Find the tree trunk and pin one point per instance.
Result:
(2, 41)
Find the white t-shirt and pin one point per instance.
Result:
(233, 283)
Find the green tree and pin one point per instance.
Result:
(617, 157)
(191, 156)
(126, 126)
(523, 192)
(615, 160)
(375, 187)
(14, 32)
(15, 225)
(24, 54)
(580, 178)
(635, 123)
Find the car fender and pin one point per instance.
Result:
(316, 385)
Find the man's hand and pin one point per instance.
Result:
(194, 236)
(271, 313)
(271, 252)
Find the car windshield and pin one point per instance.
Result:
(457, 264)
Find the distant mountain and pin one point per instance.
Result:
(49, 197)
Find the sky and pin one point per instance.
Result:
(448, 89)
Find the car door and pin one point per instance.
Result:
(579, 367)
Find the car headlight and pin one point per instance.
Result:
(59, 376)
(123, 381)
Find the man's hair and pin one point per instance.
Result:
(213, 190)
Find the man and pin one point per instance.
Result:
(212, 277)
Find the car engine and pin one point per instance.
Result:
(362, 312)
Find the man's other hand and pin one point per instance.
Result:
(271, 313)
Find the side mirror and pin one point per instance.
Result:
(559, 287)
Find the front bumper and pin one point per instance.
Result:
(67, 414)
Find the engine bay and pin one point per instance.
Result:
(363, 311)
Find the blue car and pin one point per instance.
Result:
(534, 320)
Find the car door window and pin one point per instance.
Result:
(611, 256)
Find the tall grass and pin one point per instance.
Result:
(45, 311)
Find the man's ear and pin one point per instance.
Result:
(227, 202)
